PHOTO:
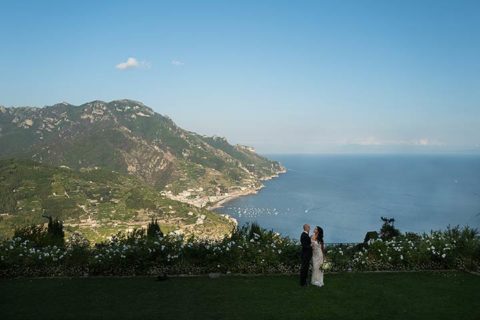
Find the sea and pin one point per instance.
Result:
(348, 194)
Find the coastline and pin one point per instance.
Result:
(232, 196)
(217, 202)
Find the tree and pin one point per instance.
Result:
(370, 235)
(388, 229)
(55, 231)
(153, 229)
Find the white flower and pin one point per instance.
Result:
(401, 257)
(444, 255)
(279, 251)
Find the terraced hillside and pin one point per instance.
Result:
(95, 201)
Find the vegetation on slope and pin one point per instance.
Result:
(96, 201)
(129, 137)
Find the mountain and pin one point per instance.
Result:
(96, 202)
(130, 138)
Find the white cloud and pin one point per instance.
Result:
(177, 63)
(426, 142)
(367, 141)
(370, 141)
(132, 63)
(373, 141)
(422, 142)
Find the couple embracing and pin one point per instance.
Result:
(312, 249)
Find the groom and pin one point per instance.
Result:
(306, 254)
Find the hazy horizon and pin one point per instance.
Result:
(305, 77)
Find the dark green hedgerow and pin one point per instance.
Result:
(249, 249)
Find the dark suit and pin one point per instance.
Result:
(306, 257)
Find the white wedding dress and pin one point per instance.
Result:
(317, 260)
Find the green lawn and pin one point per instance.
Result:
(422, 295)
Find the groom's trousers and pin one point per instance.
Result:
(304, 268)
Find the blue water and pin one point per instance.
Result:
(347, 194)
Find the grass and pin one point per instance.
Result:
(420, 295)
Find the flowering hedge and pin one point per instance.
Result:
(454, 248)
(249, 250)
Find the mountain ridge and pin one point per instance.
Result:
(128, 139)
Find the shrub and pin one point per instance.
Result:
(40, 236)
(78, 251)
(371, 235)
(388, 230)
(250, 249)
(34, 233)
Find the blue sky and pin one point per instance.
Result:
(282, 76)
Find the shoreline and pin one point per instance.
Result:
(219, 204)
(231, 197)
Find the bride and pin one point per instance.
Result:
(318, 256)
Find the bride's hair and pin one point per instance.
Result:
(320, 234)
